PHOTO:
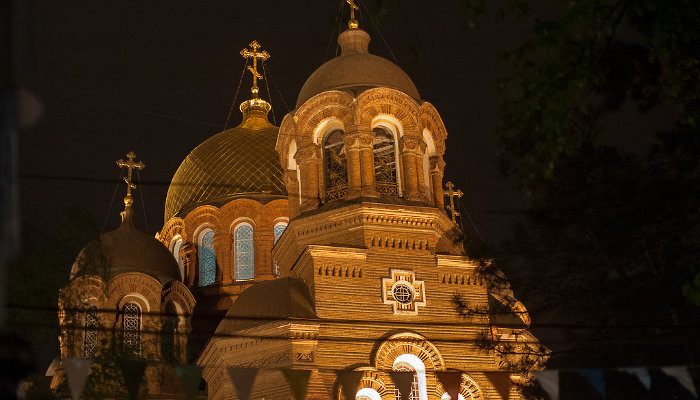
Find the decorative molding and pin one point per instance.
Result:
(403, 292)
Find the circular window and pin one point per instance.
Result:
(403, 293)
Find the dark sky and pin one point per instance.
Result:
(158, 77)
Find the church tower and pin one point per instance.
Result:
(370, 263)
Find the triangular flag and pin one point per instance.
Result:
(298, 380)
(549, 381)
(77, 371)
(349, 381)
(682, 375)
(190, 376)
(243, 379)
(501, 382)
(133, 370)
(641, 373)
(451, 381)
(403, 380)
(595, 378)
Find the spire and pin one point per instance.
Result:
(130, 164)
(255, 108)
(353, 24)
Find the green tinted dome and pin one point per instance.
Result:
(236, 162)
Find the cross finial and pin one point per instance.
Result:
(353, 24)
(255, 55)
(131, 165)
(452, 194)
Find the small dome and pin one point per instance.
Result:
(235, 162)
(355, 69)
(127, 249)
(276, 299)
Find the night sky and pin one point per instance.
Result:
(159, 77)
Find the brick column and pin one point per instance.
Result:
(422, 189)
(307, 159)
(409, 148)
(437, 168)
(222, 249)
(189, 263)
(292, 182)
(369, 187)
(351, 138)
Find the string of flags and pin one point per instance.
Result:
(78, 369)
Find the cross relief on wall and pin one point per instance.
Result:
(403, 292)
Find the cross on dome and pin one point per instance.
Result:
(255, 55)
(353, 24)
(131, 165)
(451, 193)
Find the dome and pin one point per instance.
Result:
(235, 162)
(276, 299)
(127, 249)
(355, 69)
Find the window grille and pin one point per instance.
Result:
(335, 166)
(385, 162)
(207, 259)
(278, 230)
(404, 366)
(132, 328)
(243, 248)
(90, 335)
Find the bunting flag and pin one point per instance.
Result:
(403, 380)
(190, 376)
(349, 381)
(595, 378)
(501, 382)
(451, 381)
(641, 373)
(682, 375)
(243, 379)
(133, 370)
(549, 382)
(77, 371)
(298, 380)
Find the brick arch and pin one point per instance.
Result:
(134, 282)
(378, 101)
(202, 215)
(430, 119)
(373, 379)
(332, 104)
(177, 292)
(175, 226)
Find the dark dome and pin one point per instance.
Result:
(356, 69)
(276, 299)
(127, 249)
(237, 161)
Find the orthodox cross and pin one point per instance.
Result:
(452, 194)
(255, 55)
(131, 165)
(353, 24)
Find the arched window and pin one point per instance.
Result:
(410, 362)
(90, 334)
(385, 162)
(446, 396)
(132, 328)
(335, 165)
(244, 251)
(207, 258)
(367, 394)
(169, 340)
(176, 246)
(278, 230)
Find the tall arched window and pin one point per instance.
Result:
(90, 334)
(131, 325)
(244, 251)
(410, 362)
(207, 258)
(278, 230)
(176, 246)
(335, 166)
(385, 162)
(169, 340)
(367, 394)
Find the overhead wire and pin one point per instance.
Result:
(235, 96)
(379, 31)
(274, 83)
(143, 200)
(269, 95)
(111, 203)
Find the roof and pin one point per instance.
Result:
(235, 162)
(356, 70)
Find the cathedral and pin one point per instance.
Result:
(322, 245)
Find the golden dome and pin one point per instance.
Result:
(356, 70)
(236, 162)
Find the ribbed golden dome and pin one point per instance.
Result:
(235, 162)
(356, 70)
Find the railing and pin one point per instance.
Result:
(387, 188)
(336, 192)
